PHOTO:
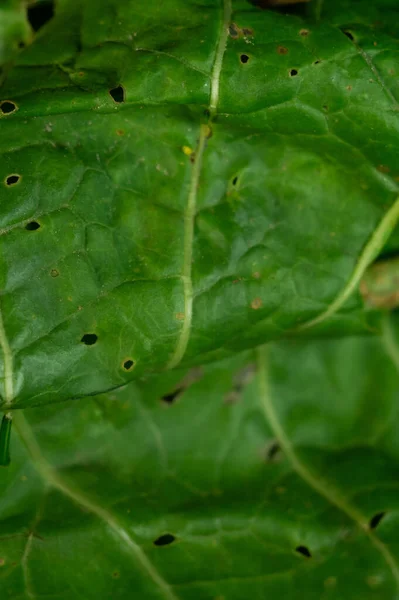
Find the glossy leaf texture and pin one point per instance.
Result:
(183, 181)
(273, 473)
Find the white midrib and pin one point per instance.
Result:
(52, 479)
(191, 207)
(321, 487)
(7, 364)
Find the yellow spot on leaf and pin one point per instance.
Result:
(2, 562)
(187, 150)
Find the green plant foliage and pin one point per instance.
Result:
(271, 473)
(187, 182)
(193, 196)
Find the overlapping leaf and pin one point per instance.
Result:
(182, 182)
(273, 473)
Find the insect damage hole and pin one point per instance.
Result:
(244, 58)
(164, 540)
(170, 398)
(376, 520)
(128, 364)
(349, 35)
(89, 339)
(40, 14)
(293, 72)
(117, 94)
(12, 179)
(304, 551)
(32, 226)
(7, 107)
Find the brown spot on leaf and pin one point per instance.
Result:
(180, 316)
(383, 169)
(256, 303)
(282, 50)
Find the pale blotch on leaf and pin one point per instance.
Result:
(330, 582)
(256, 303)
(374, 581)
(2, 562)
(180, 316)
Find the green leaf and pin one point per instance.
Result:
(273, 473)
(181, 183)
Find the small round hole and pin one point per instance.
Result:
(117, 94)
(235, 180)
(317, 62)
(7, 107)
(244, 58)
(304, 551)
(12, 179)
(32, 226)
(21, 45)
(293, 72)
(128, 365)
(89, 339)
(375, 521)
(164, 540)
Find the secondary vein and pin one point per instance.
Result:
(369, 254)
(191, 207)
(53, 479)
(330, 493)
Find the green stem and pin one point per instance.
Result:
(5, 436)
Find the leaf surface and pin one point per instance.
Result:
(181, 184)
(270, 473)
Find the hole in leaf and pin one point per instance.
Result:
(117, 94)
(89, 339)
(13, 179)
(7, 107)
(293, 72)
(304, 32)
(128, 364)
(164, 540)
(304, 551)
(317, 62)
(21, 45)
(273, 451)
(32, 226)
(170, 398)
(235, 180)
(244, 58)
(349, 35)
(376, 520)
(40, 14)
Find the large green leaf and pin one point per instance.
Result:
(269, 474)
(185, 180)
